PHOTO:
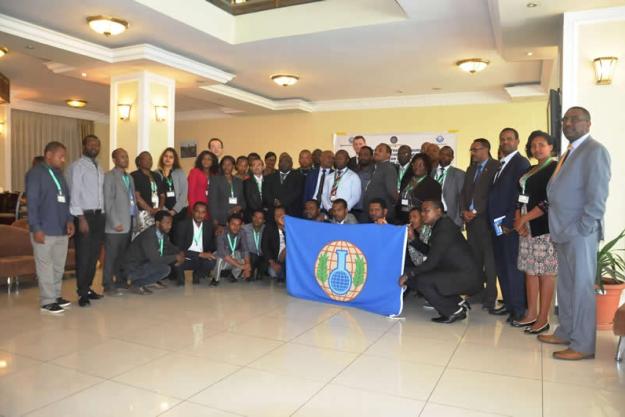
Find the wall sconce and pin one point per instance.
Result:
(1, 128)
(604, 69)
(160, 113)
(123, 110)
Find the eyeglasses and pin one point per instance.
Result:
(476, 149)
(573, 119)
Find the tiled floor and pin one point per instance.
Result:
(248, 349)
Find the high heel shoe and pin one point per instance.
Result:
(529, 330)
(515, 323)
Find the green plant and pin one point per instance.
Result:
(610, 263)
(359, 274)
(322, 268)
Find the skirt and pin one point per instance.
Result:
(537, 256)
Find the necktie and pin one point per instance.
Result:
(283, 177)
(441, 175)
(503, 163)
(561, 161)
(320, 189)
(335, 185)
(478, 173)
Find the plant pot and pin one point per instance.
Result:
(607, 304)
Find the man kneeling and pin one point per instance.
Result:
(449, 269)
(232, 252)
(195, 237)
(151, 253)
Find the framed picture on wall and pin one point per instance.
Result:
(188, 149)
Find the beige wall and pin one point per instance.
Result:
(606, 104)
(295, 131)
(101, 130)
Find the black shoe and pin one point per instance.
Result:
(214, 283)
(459, 315)
(52, 308)
(517, 323)
(94, 295)
(84, 302)
(529, 330)
(232, 279)
(63, 302)
(498, 311)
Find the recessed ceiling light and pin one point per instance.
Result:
(107, 25)
(74, 102)
(472, 65)
(83, 74)
(436, 88)
(3, 51)
(285, 80)
(530, 53)
(531, 5)
(29, 47)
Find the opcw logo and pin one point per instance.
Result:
(341, 270)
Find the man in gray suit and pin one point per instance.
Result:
(120, 208)
(577, 194)
(451, 180)
(383, 183)
(474, 209)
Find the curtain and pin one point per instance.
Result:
(30, 132)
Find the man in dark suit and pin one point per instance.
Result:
(383, 183)
(449, 270)
(274, 246)
(315, 180)
(357, 143)
(474, 206)
(451, 180)
(195, 237)
(253, 190)
(284, 188)
(502, 204)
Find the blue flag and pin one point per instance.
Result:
(353, 265)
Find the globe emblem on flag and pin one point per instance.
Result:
(341, 270)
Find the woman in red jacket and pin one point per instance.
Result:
(199, 178)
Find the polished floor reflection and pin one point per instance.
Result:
(248, 349)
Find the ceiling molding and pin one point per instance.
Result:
(201, 115)
(51, 109)
(39, 34)
(257, 100)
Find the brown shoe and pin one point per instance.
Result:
(571, 355)
(552, 340)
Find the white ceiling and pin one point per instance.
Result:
(406, 57)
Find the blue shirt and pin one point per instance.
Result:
(45, 212)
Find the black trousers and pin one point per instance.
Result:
(88, 250)
(511, 280)
(426, 284)
(115, 246)
(479, 236)
(193, 262)
(258, 264)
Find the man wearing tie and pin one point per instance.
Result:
(284, 188)
(473, 204)
(502, 203)
(451, 180)
(577, 194)
(315, 180)
(342, 184)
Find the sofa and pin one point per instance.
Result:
(16, 253)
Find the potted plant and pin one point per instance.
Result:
(610, 282)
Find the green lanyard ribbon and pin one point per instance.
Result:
(233, 245)
(197, 237)
(525, 177)
(56, 181)
(400, 176)
(160, 245)
(256, 239)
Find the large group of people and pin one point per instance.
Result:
(525, 224)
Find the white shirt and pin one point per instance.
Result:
(349, 189)
(328, 171)
(504, 163)
(282, 241)
(197, 243)
(444, 174)
(259, 183)
(578, 142)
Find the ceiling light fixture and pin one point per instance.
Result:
(604, 69)
(531, 5)
(284, 79)
(83, 74)
(472, 65)
(107, 25)
(74, 102)
(530, 53)
(3, 51)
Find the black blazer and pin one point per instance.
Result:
(253, 198)
(288, 193)
(270, 242)
(406, 178)
(450, 253)
(184, 235)
(428, 189)
(478, 190)
(536, 189)
(504, 193)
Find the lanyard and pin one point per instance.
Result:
(170, 183)
(402, 171)
(56, 181)
(256, 239)
(153, 186)
(441, 177)
(231, 189)
(525, 177)
(413, 184)
(160, 246)
(126, 181)
(233, 245)
(197, 237)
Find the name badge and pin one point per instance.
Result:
(60, 198)
(404, 201)
(524, 199)
(155, 199)
(232, 200)
(206, 193)
(170, 194)
(332, 197)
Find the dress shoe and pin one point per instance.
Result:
(465, 305)
(214, 283)
(518, 323)
(540, 330)
(572, 355)
(94, 295)
(140, 290)
(63, 302)
(458, 315)
(498, 311)
(552, 339)
(84, 302)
